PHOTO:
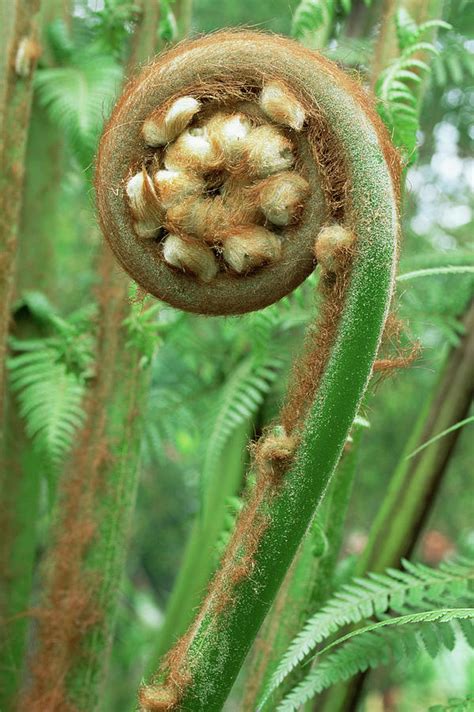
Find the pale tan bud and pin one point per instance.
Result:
(146, 229)
(228, 132)
(282, 197)
(268, 151)
(190, 255)
(161, 128)
(281, 105)
(144, 204)
(251, 247)
(193, 151)
(240, 202)
(173, 186)
(331, 243)
(203, 217)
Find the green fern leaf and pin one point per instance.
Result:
(308, 17)
(370, 647)
(50, 400)
(240, 398)
(399, 104)
(78, 97)
(455, 705)
(374, 595)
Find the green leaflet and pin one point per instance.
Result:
(376, 645)
(414, 586)
(397, 86)
(49, 376)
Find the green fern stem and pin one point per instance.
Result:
(209, 658)
(199, 557)
(416, 480)
(308, 582)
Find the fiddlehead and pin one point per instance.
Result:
(313, 129)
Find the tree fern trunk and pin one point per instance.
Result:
(20, 50)
(96, 497)
(18, 53)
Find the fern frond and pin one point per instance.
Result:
(50, 401)
(434, 271)
(49, 375)
(78, 97)
(168, 28)
(59, 40)
(240, 398)
(455, 704)
(454, 63)
(308, 17)
(374, 595)
(399, 104)
(409, 32)
(375, 645)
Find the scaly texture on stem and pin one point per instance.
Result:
(341, 143)
(95, 499)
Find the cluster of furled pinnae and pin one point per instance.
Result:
(220, 185)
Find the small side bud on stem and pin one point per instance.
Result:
(173, 186)
(282, 196)
(331, 244)
(268, 151)
(193, 151)
(144, 204)
(228, 132)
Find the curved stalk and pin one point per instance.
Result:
(199, 672)
(307, 584)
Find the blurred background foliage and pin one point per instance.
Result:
(211, 377)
